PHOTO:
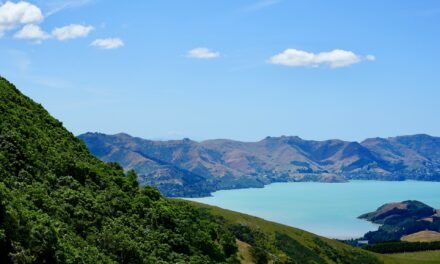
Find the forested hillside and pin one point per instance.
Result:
(60, 204)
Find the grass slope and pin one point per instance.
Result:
(328, 250)
(309, 240)
(244, 252)
(422, 236)
(423, 257)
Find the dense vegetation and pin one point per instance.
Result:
(401, 246)
(59, 204)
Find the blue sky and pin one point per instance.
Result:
(229, 69)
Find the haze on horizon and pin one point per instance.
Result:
(232, 69)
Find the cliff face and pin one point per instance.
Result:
(222, 164)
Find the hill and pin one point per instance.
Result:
(60, 204)
(309, 240)
(422, 236)
(278, 241)
(201, 167)
(401, 219)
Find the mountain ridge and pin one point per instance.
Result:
(229, 164)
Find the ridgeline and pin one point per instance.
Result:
(187, 168)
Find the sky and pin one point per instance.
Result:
(244, 70)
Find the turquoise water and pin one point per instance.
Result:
(327, 209)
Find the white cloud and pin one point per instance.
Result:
(32, 32)
(370, 57)
(108, 43)
(335, 59)
(27, 15)
(71, 31)
(13, 15)
(203, 53)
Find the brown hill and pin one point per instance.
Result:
(200, 167)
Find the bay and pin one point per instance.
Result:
(326, 209)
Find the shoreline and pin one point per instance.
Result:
(314, 207)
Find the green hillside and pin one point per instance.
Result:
(310, 241)
(59, 204)
(282, 241)
(423, 257)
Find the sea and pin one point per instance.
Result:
(326, 209)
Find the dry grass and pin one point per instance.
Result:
(422, 236)
(244, 253)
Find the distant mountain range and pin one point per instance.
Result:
(190, 168)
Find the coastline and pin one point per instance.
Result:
(313, 206)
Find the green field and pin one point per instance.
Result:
(423, 257)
